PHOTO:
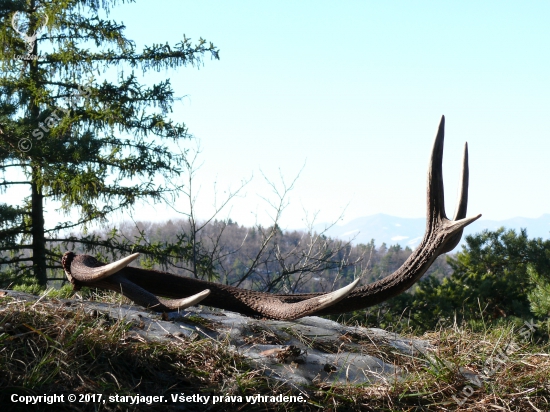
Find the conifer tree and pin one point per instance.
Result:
(73, 133)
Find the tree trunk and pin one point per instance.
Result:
(37, 198)
(37, 231)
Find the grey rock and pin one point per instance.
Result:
(300, 353)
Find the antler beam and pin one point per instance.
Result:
(143, 286)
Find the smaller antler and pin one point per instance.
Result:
(86, 270)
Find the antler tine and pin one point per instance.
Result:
(436, 194)
(90, 270)
(462, 202)
(185, 302)
(291, 311)
(146, 299)
(462, 205)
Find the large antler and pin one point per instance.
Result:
(142, 286)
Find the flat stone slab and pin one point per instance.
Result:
(300, 353)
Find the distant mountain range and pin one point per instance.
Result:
(393, 230)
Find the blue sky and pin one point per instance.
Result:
(354, 91)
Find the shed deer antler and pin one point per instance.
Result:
(143, 286)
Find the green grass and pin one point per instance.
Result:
(46, 348)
